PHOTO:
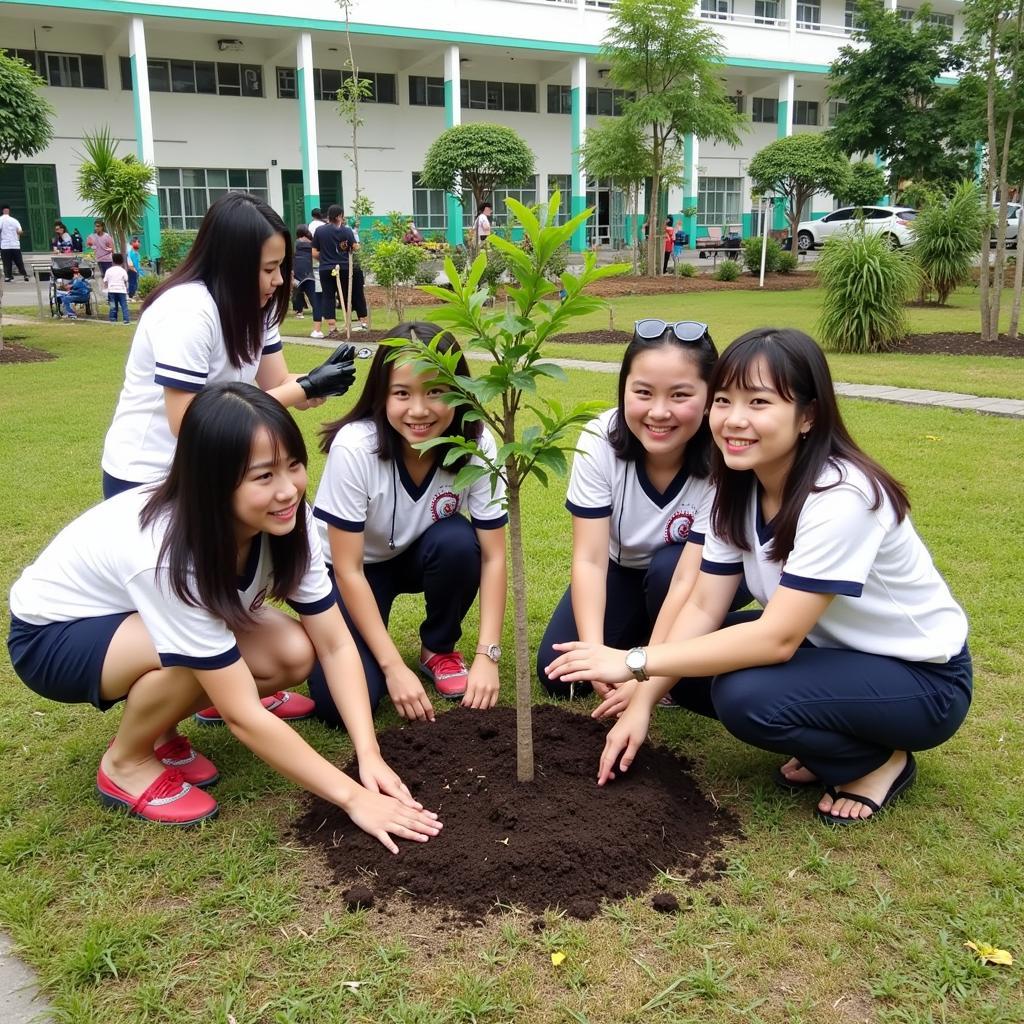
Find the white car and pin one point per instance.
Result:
(1012, 224)
(895, 222)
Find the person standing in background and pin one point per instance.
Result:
(102, 245)
(10, 244)
(134, 267)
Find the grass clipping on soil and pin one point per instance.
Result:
(560, 842)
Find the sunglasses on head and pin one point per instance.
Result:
(691, 331)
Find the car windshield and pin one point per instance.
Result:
(906, 214)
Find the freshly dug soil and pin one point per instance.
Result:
(558, 842)
(14, 353)
(942, 343)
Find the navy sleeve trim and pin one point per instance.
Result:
(187, 661)
(270, 349)
(588, 513)
(315, 607)
(178, 385)
(201, 374)
(693, 537)
(721, 568)
(489, 524)
(348, 525)
(847, 588)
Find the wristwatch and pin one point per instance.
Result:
(493, 651)
(636, 662)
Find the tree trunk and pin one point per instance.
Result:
(990, 117)
(355, 109)
(524, 689)
(348, 303)
(1018, 282)
(653, 232)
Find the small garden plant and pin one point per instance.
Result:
(509, 387)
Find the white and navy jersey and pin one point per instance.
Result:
(643, 519)
(178, 344)
(889, 597)
(104, 562)
(362, 493)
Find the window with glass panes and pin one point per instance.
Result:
(428, 206)
(327, 82)
(715, 9)
(559, 99)
(835, 108)
(766, 12)
(808, 14)
(607, 102)
(737, 102)
(514, 96)
(718, 201)
(805, 112)
(186, 193)
(852, 19)
(526, 194)
(561, 183)
(764, 109)
(65, 70)
(206, 77)
(426, 91)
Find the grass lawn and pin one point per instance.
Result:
(129, 924)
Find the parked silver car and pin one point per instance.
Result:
(895, 222)
(1012, 223)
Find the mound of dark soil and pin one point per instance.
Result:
(14, 353)
(558, 842)
(959, 343)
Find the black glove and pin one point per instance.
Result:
(332, 377)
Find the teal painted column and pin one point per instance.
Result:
(784, 128)
(453, 117)
(691, 149)
(979, 162)
(307, 125)
(145, 148)
(579, 130)
(879, 162)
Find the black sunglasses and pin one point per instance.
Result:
(691, 331)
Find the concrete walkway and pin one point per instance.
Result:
(19, 999)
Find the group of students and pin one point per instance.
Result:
(712, 479)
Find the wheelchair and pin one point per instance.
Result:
(60, 270)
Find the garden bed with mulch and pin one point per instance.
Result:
(15, 353)
(559, 842)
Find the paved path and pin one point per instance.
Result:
(19, 1000)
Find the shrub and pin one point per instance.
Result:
(787, 262)
(174, 247)
(393, 264)
(426, 272)
(728, 270)
(866, 282)
(685, 269)
(148, 283)
(947, 239)
(752, 255)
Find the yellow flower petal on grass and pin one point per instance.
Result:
(557, 958)
(991, 954)
(932, 437)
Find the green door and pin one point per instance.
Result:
(41, 206)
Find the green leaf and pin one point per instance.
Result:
(550, 370)
(554, 459)
(468, 475)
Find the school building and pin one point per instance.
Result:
(239, 94)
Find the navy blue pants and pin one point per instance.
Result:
(113, 485)
(633, 598)
(841, 713)
(444, 566)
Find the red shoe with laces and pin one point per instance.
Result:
(170, 800)
(194, 767)
(448, 673)
(285, 704)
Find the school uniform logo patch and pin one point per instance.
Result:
(444, 505)
(257, 601)
(677, 529)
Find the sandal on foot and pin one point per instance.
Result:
(170, 800)
(789, 785)
(902, 783)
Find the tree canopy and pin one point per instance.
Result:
(670, 62)
(865, 184)
(477, 156)
(797, 168)
(25, 117)
(895, 105)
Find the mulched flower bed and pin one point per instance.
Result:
(14, 353)
(560, 841)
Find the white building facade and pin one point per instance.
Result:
(239, 94)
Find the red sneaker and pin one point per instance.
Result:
(448, 673)
(170, 800)
(194, 767)
(286, 704)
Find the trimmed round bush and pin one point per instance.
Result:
(866, 283)
(787, 262)
(686, 270)
(752, 255)
(147, 283)
(728, 270)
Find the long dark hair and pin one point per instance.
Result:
(213, 451)
(372, 403)
(226, 257)
(625, 444)
(797, 369)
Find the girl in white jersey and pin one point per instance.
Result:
(640, 499)
(390, 525)
(860, 656)
(216, 318)
(156, 597)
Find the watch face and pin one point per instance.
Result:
(635, 659)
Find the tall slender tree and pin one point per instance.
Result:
(668, 62)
